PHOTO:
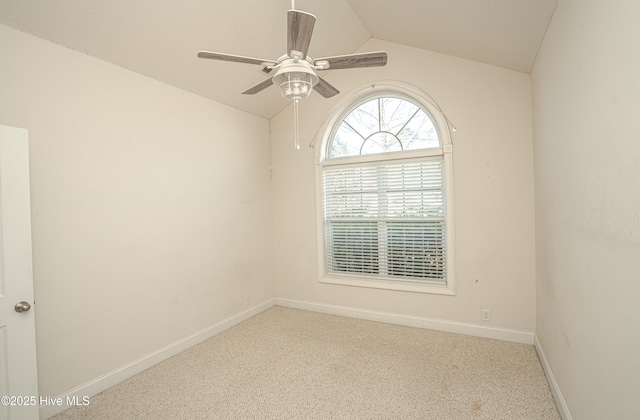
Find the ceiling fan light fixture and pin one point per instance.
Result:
(296, 80)
(296, 85)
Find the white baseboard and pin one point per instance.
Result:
(553, 384)
(523, 337)
(110, 379)
(113, 378)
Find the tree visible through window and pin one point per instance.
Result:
(384, 125)
(383, 196)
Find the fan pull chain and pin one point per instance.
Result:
(296, 131)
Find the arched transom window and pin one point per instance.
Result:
(386, 200)
(381, 125)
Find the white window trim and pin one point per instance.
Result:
(393, 88)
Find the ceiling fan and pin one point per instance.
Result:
(295, 72)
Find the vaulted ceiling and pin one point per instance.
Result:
(160, 38)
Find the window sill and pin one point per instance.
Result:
(404, 286)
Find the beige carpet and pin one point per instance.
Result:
(291, 364)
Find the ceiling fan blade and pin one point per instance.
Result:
(235, 58)
(259, 87)
(299, 30)
(325, 89)
(351, 61)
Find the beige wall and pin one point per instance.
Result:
(150, 208)
(586, 102)
(493, 176)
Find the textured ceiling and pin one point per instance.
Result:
(160, 38)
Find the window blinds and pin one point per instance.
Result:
(386, 219)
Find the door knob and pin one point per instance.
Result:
(22, 306)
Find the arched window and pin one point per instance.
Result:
(386, 193)
(381, 125)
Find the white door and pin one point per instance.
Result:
(18, 376)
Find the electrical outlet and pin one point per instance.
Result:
(247, 300)
(486, 315)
